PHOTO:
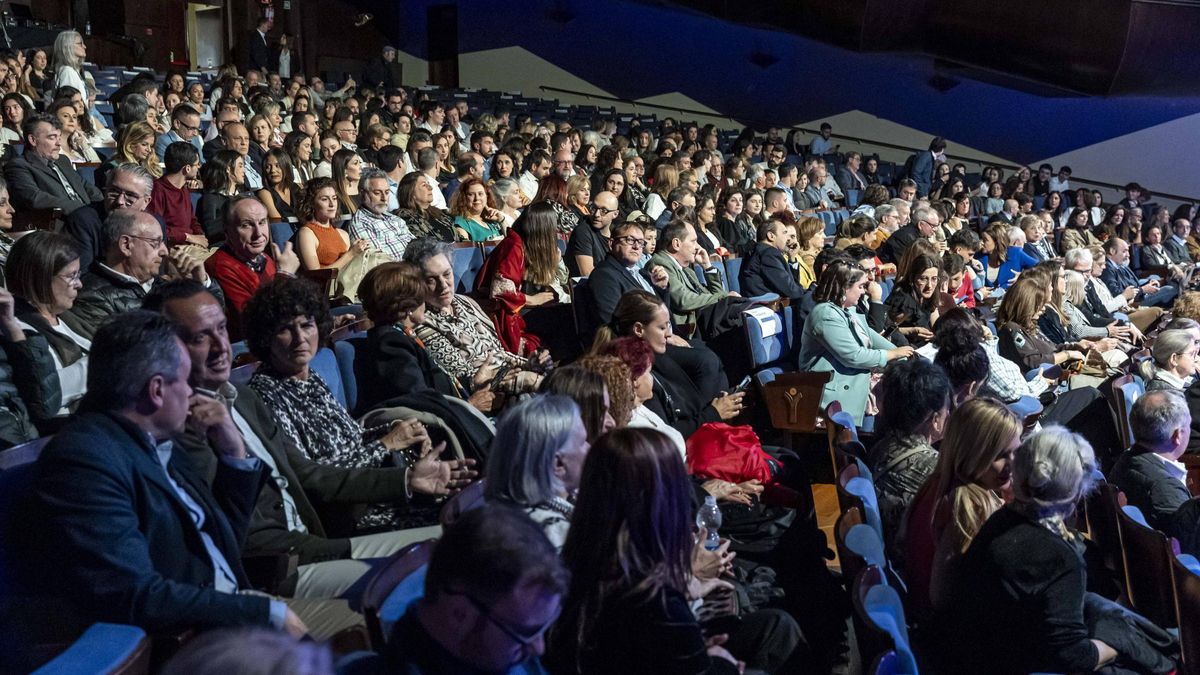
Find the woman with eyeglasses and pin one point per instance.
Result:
(837, 339)
(913, 305)
(42, 275)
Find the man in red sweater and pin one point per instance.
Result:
(240, 266)
(172, 201)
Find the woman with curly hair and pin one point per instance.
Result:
(474, 209)
(286, 322)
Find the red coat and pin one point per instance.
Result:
(500, 281)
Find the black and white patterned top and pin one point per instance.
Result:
(322, 429)
(457, 340)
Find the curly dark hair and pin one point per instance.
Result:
(277, 302)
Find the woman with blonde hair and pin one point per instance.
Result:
(1018, 600)
(579, 195)
(135, 145)
(810, 234)
(666, 178)
(968, 485)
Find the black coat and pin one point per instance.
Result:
(106, 293)
(310, 484)
(1162, 498)
(258, 53)
(103, 502)
(1016, 603)
(398, 366)
(677, 399)
(893, 249)
(765, 270)
(609, 281)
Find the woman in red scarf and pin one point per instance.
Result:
(519, 275)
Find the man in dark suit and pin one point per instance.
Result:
(1150, 473)
(1117, 277)
(42, 178)
(618, 274)
(258, 50)
(765, 270)
(285, 519)
(924, 223)
(922, 165)
(148, 542)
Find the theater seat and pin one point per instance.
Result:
(104, 649)
(471, 497)
(345, 352)
(393, 587)
(467, 261)
(878, 608)
(769, 339)
(325, 364)
(733, 268)
(281, 232)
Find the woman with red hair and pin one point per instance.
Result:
(474, 211)
(638, 356)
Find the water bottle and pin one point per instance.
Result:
(709, 521)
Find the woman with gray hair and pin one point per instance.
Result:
(536, 460)
(1173, 363)
(1017, 603)
(508, 200)
(458, 334)
(69, 52)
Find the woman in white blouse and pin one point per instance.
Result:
(42, 273)
(69, 52)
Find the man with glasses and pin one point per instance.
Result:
(494, 586)
(185, 126)
(589, 245)
(217, 142)
(386, 232)
(618, 273)
(130, 267)
(42, 177)
(129, 187)
(925, 223)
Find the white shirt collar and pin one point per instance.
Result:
(1176, 469)
(144, 284)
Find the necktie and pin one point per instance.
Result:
(71, 193)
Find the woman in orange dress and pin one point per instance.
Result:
(323, 245)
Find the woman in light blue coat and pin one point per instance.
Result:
(836, 338)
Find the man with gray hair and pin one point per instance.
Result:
(134, 255)
(925, 223)
(1150, 473)
(128, 187)
(42, 177)
(385, 231)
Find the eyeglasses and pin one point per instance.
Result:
(522, 639)
(69, 278)
(114, 193)
(601, 211)
(154, 242)
(632, 242)
(189, 128)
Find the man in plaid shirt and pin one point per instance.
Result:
(386, 232)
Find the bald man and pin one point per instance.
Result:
(589, 245)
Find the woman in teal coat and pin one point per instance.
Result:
(836, 338)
